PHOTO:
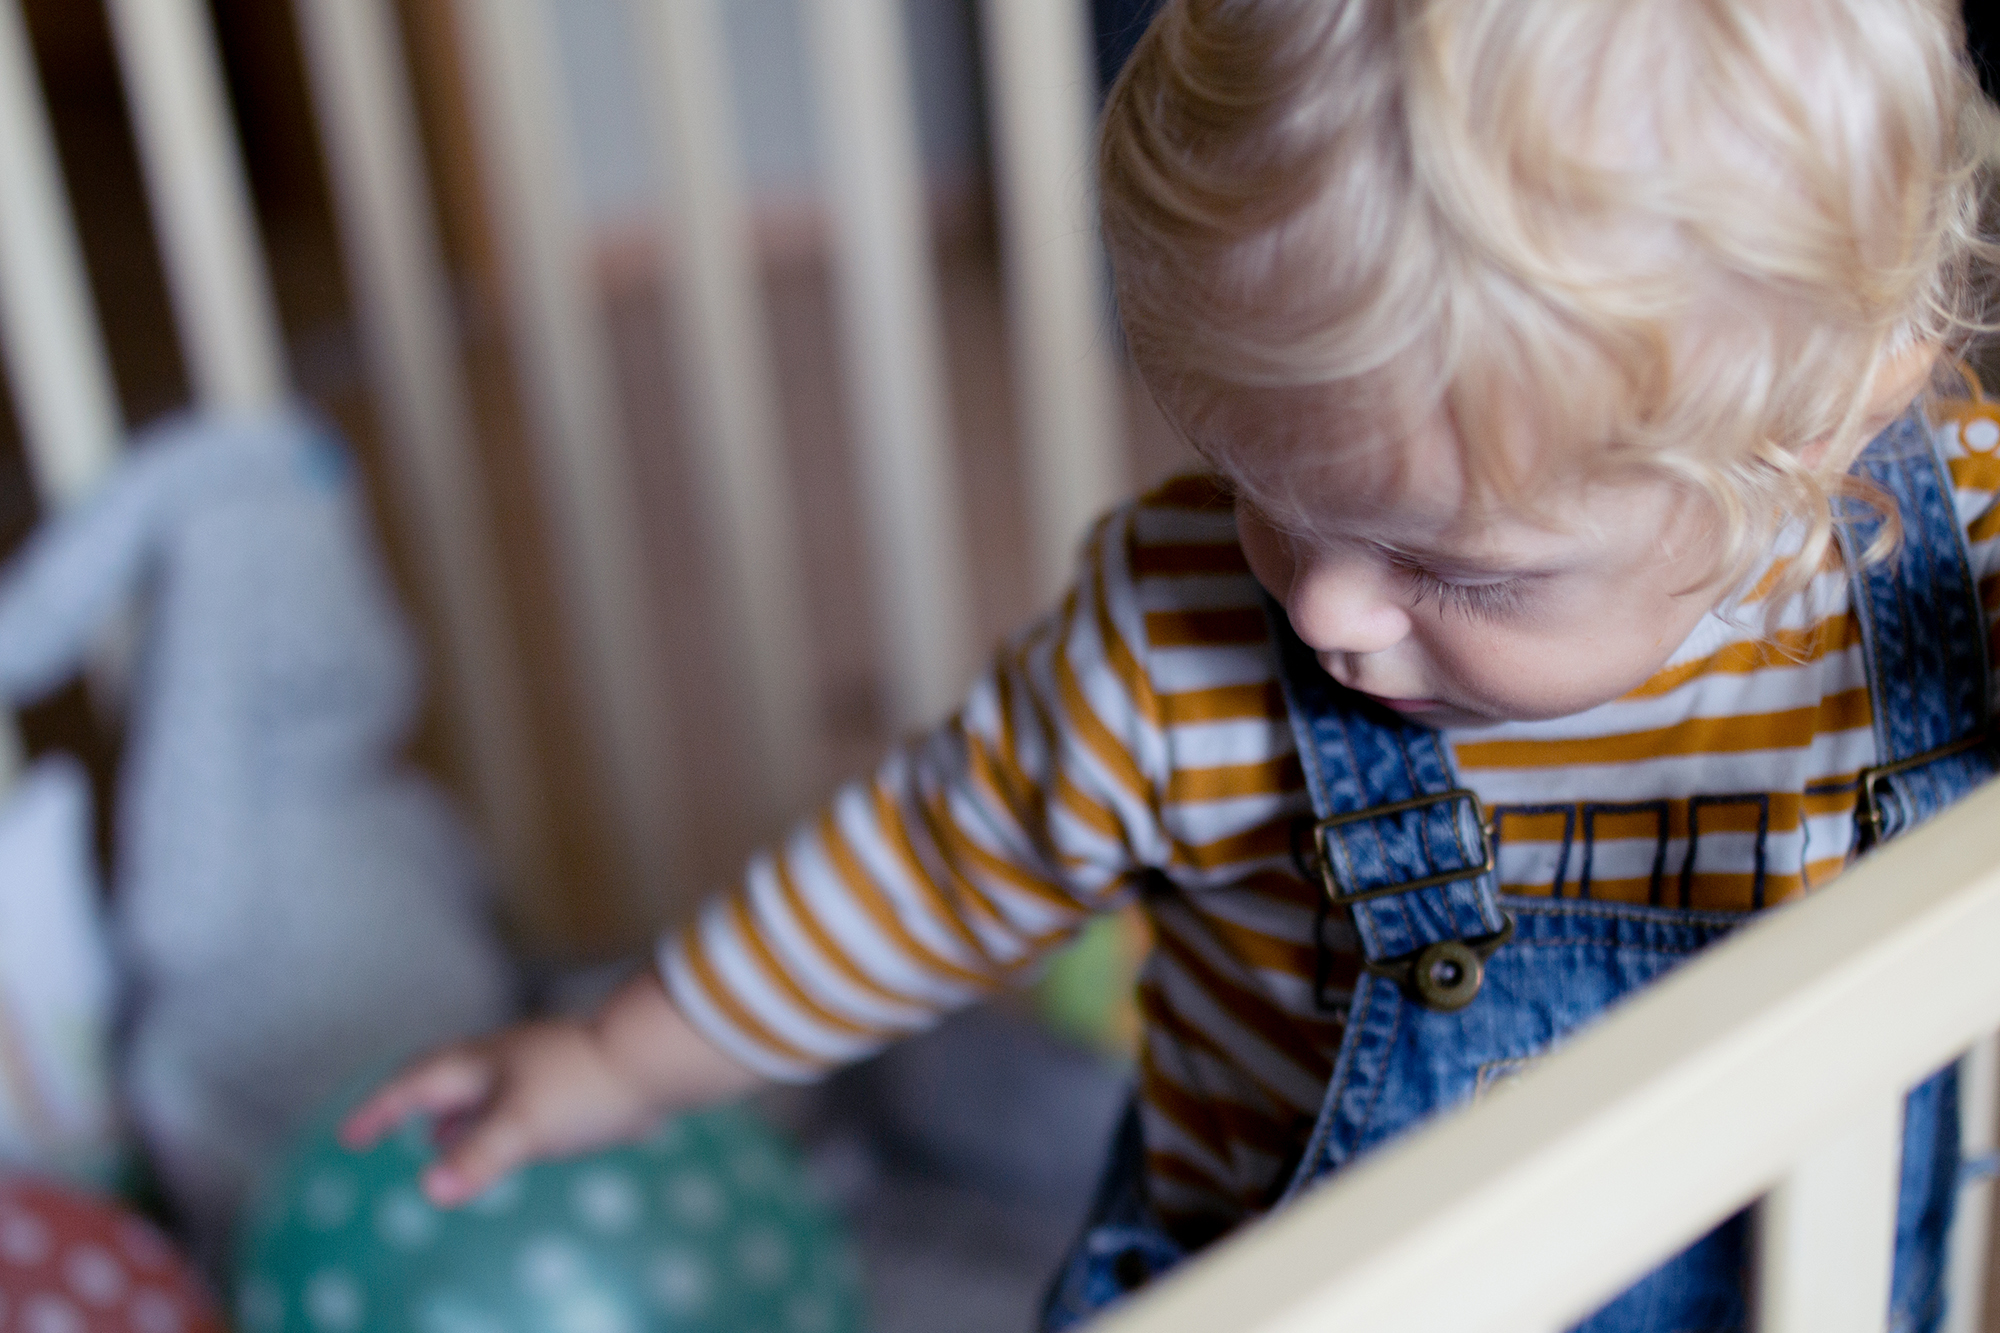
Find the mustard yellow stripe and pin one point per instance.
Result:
(740, 1018)
(1226, 782)
(944, 907)
(1083, 721)
(778, 977)
(1216, 1122)
(1206, 628)
(866, 894)
(1186, 559)
(1271, 838)
(829, 949)
(962, 849)
(1787, 729)
(1976, 472)
(1118, 655)
(1251, 1009)
(1223, 703)
(1785, 647)
(1986, 526)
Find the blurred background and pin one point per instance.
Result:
(561, 451)
(584, 903)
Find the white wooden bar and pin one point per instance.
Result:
(360, 86)
(1826, 1233)
(201, 203)
(726, 372)
(892, 339)
(1528, 1210)
(1972, 1228)
(579, 434)
(56, 365)
(1044, 90)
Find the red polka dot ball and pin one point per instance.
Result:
(73, 1264)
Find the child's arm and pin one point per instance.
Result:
(553, 1088)
(968, 853)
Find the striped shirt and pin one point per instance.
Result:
(1137, 737)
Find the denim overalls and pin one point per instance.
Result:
(1464, 986)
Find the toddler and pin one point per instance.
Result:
(1573, 576)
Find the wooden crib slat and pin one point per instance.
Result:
(726, 372)
(579, 434)
(1826, 1235)
(56, 364)
(1971, 1228)
(360, 85)
(1045, 96)
(201, 204)
(892, 339)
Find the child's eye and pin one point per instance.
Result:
(1484, 601)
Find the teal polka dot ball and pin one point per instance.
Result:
(706, 1227)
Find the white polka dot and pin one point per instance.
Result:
(590, 1312)
(404, 1220)
(606, 1201)
(679, 1280)
(260, 1306)
(24, 1239)
(809, 1314)
(696, 1199)
(334, 1301)
(94, 1275)
(44, 1313)
(549, 1264)
(144, 1246)
(328, 1200)
(762, 1255)
(1981, 434)
(501, 1196)
(153, 1311)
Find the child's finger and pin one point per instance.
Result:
(494, 1145)
(450, 1081)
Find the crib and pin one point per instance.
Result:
(1535, 1205)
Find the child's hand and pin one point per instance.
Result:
(552, 1088)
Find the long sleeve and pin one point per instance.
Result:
(968, 853)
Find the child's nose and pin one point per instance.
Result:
(1346, 607)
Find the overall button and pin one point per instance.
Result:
(1446, 975)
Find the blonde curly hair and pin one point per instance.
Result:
(1675, 234)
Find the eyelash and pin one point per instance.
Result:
(1476, 601)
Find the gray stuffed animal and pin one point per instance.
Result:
(292, 903)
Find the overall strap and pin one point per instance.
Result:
(1397, 840)
(1923, 635)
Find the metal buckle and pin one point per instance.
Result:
(1446, 975)
(1323, 861)
(1868, 808)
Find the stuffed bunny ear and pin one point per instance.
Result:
(72, 575)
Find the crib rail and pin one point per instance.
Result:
(1771, 1069)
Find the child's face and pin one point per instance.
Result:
(1454, 611)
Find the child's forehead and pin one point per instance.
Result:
(1319, 470)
